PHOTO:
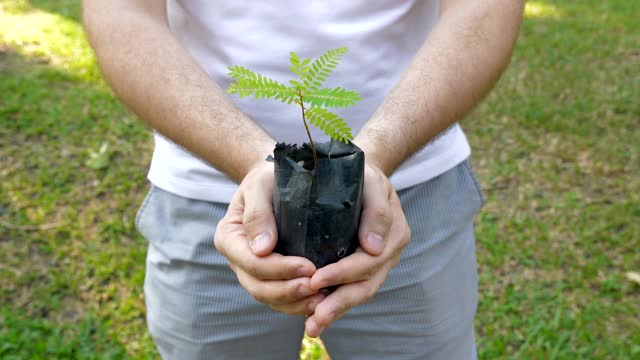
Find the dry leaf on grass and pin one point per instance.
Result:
(633, 276)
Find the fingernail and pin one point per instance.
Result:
(376, 242)
(260, 242)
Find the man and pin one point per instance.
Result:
(420, 67)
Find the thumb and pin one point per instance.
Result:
(258, 219)
(377, 215)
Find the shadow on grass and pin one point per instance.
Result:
(67, 240)
(70, 9)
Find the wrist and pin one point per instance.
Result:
(258, 161)
(380, 154)
(382, 141)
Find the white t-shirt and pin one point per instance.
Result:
(382, 36)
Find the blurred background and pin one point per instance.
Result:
(556, 147)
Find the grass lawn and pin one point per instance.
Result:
(556, 147)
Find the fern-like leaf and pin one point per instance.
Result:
(299, 66)
(332, 125)
(332, 97)
(249, 82)
(307, 89)
(321, 68)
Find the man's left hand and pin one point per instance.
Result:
(384, 233)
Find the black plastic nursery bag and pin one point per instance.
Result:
(318, 211)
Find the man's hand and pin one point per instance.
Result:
(383, 233)
(247, 235)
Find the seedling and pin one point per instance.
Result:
(306, 91)
(317, 205)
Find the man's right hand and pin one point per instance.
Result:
(247, 235)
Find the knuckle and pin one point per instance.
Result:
(382, 214)
(283, 294)
(398, 254)
(395, 260)
(259, 297)
(341, 309)
(217, 244)
(252, 269)
(368, 290)
(296, 291)
(406, 239)
(370, 294)
(279, 297)
(404, 242)
(323, 318)
(297, 288)
(218, 241)
(291, 270)
(253, 216)
(369, 272)
(308, 309)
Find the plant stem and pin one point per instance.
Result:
(304, 120)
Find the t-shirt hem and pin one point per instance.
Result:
(220, 193)
(223, 193)
(417, 175)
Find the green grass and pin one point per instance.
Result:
(25, 337)
(555, 146)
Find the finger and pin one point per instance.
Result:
(357, 267)
(231, 241)
(275, 292)
(271, 267)
(334, 306)
(377, 217)
(400, 227)
(229, 227)
(362, 266)
(305, 306)
(231, 223)
(258, 218)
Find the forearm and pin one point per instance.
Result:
(458, 64)
(159, 81)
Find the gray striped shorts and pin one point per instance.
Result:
(196, 308)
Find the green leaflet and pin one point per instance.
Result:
(300, 67)
(332, 98)
(330, 123)
(249, 82)
(306, 89)
(321, 68)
